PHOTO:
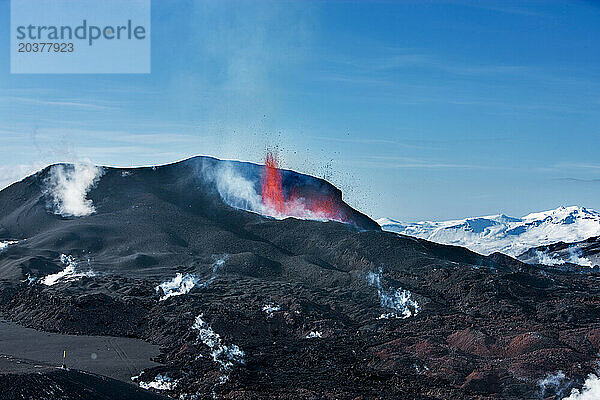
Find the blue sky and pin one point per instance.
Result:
(415, 109)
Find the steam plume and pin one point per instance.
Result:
(589, 391)
(68, 185)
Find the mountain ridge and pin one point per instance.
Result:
(505, 234)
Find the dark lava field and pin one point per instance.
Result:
(243, 306)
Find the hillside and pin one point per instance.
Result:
(245, 303)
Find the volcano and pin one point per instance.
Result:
(195, 280)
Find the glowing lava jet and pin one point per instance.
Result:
(272, 190)
(301, 201)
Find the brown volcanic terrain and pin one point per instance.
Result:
(481, 327)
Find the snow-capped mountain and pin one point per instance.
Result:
(505, 234)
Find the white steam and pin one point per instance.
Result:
(420, 370)
(160, 382)
(180, 284)
(314, 335)
(226, 356)
(217, 264)
(30, 279)
(183, 284)
(553, 383)
(270, 309)
(68, 186)
(589, 391)
(573, 256)
(237, 191)
(399, 301)
(5, 244)
(70, 273)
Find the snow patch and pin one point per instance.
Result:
(399, 301)
(68, 185)
(589, 391)
(69, 273)
(160, 382)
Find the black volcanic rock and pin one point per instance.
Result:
(302, 309)
(56, 384)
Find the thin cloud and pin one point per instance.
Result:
(71, 103)
(156, 138)
(578, 165)
(368, 141)
(514, 10)
(578, 180)
(397, 59)
(409, 163)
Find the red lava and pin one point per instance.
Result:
(314, 206)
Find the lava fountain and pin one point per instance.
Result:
(272, 189)
(300, 201)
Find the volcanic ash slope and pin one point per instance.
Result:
(249, 306)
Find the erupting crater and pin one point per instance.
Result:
(295, 199)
